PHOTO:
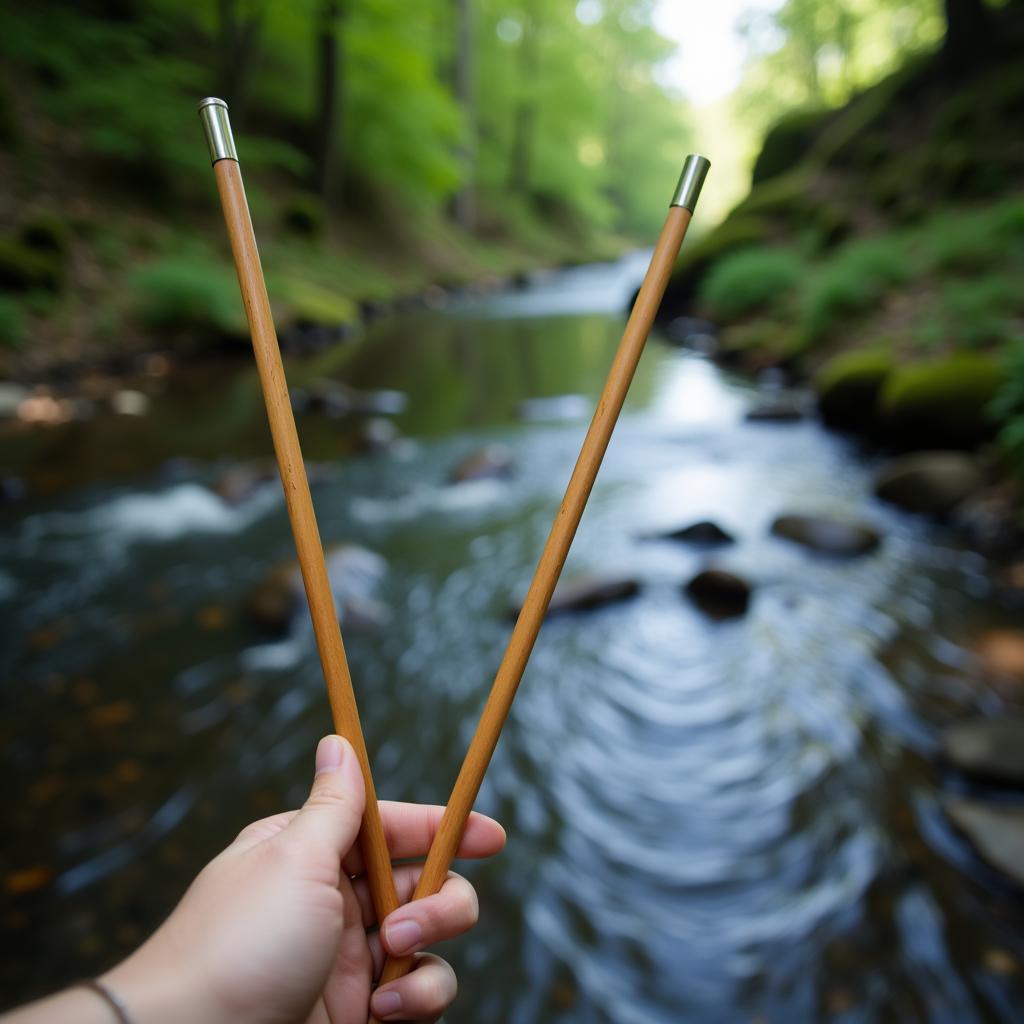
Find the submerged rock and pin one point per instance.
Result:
(989, 522)
(827, 536)
(337, 400)
(1009, 583)
(1001, 652)
(780, 411)
(493, 462)
(720, 594)
(991, 749)
(239, 483)
(996, 832)
(588, 593)
(704, 533)
(355, 574)
(932, 483)
(376, 434)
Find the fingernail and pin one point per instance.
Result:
(403, 936)
(330, 752)
(386, 1003)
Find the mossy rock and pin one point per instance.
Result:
(760, 345)
(24, 269)
(310, 304)
(941, 403)
(47, 233)
(304, 216)
(787, 142)
(848, 388)
(732, 234)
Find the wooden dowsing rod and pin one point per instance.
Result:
(373, 844)
(556, 548)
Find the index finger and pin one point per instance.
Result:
(410, 829)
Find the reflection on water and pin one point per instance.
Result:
(709, 822)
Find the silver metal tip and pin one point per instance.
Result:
(213, 113)
(695, 170)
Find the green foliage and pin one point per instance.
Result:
(943, 402)
(786, 143)
(12, 325)
(751, 281)
(805, 53)
(975, 241)
(733, 234)
(979, 311)
(853, 282)
(188, 295)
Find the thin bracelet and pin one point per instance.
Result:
(109, 997)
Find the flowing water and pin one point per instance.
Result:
(708, 821)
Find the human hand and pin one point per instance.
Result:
(273, 930)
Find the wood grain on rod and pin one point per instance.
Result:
(524, 634)
(372, 840)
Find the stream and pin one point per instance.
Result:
(733, 821)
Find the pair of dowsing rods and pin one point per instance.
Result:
(300, 509)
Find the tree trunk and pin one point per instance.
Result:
(525, 113)
(464, 201)
(238, 36)
(326, 149)
(970, 39)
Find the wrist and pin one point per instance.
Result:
(157, 987)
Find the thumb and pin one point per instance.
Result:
(331, 816)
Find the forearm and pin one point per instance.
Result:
(149, 993)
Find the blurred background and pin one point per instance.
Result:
(766, 762)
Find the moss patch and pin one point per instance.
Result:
(310, 304)
(941, 403)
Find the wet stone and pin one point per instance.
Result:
(720, 594)
(827, 536)
(991, 749)
(776, 412)
(1001, 653)
(930, 483)
(704, 533)
(355, 574)
(376, 434)
(239, 483)
(588, 593)
(995, 831)
(493, 462)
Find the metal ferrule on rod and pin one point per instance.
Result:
(695, 170)
(214, 115)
